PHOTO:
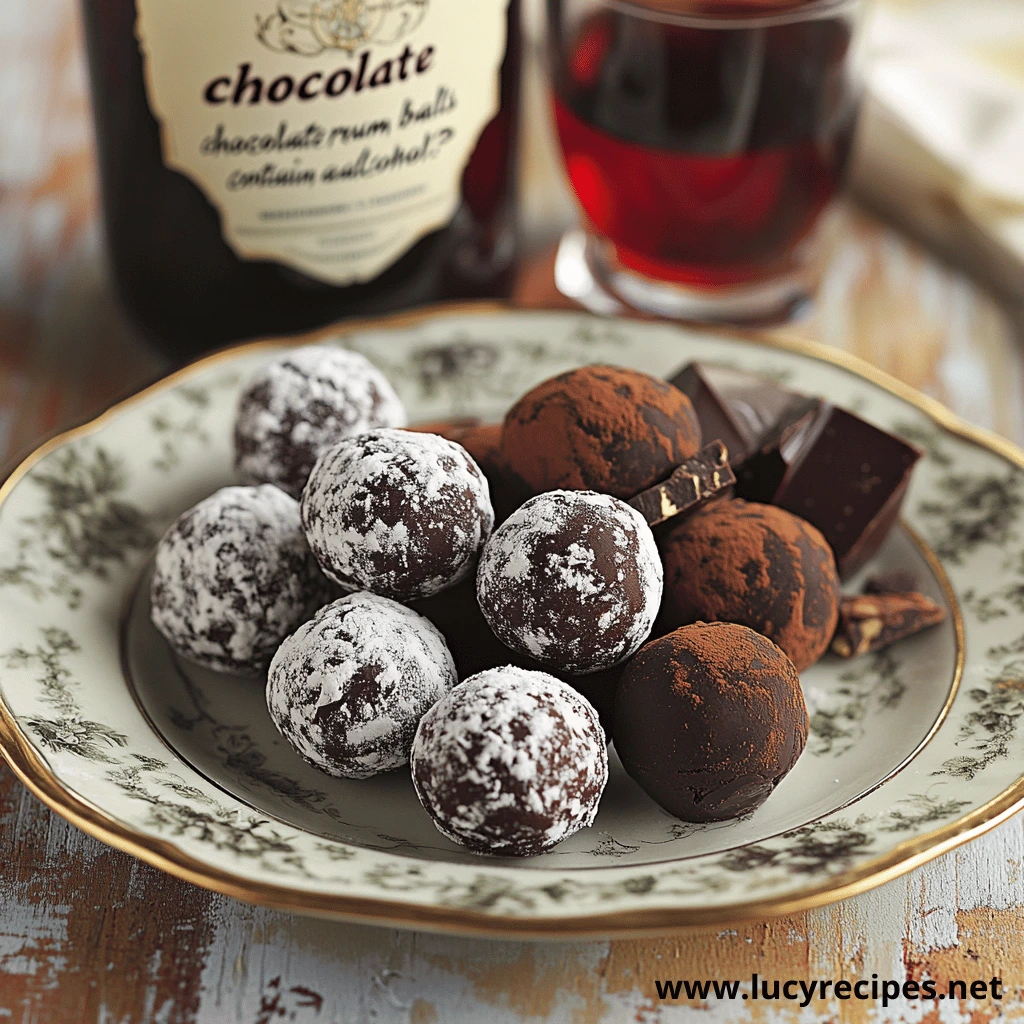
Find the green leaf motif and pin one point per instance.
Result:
(86, 526)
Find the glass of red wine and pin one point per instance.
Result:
(704, 140)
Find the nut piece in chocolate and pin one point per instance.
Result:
(705, 476)
(873, 621)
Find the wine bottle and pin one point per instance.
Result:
(268, 166)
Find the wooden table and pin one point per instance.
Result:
(88, 934)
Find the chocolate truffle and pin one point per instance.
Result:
(233, 577)
(510, 762)
(483, 442)
(302, 402)
(599, 428)
(395, 512)
(348, 688)
(709, 719)
(763, 567)
(573, 579)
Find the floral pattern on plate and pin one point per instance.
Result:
(901, 764)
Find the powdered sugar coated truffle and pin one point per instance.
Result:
(348, 688)
(510, 762)
(573, 579)
(234, 576)
(399, 513)
(302, 402)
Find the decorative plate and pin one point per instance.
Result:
(912, 750)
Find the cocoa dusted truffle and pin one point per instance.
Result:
(396, 512)
(709, 719)
(233, 577)
(510, 762)
(599, 428)
(573, 579)
(763, 567)
(302, 402)
(349, 687)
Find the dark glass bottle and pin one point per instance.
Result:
(188, 289)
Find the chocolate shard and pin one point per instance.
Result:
(891, 581)
(824, 464)
(847, 478)
(706, 475)
(738, 407)
(761, 474)
(871, 622)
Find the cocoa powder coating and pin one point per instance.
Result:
(599, 428)
(757, 565)
(709, 719)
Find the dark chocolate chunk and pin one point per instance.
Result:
(847, 478)
(891, 581)
(871, 622)
(705, 476)
(740, 408)
(760, 475)
(809, 457)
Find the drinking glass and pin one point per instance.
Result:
(704, 140)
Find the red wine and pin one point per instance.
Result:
(205, 106)
(705, 154)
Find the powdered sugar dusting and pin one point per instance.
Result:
(233, 577)
(510, 762)
(573, 579)
(302, 402)
(348, 688)
(400, 513)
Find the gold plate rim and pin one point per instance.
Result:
(33, 772)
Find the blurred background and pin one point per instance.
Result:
(939, 156)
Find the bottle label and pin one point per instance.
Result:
(330, 135)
